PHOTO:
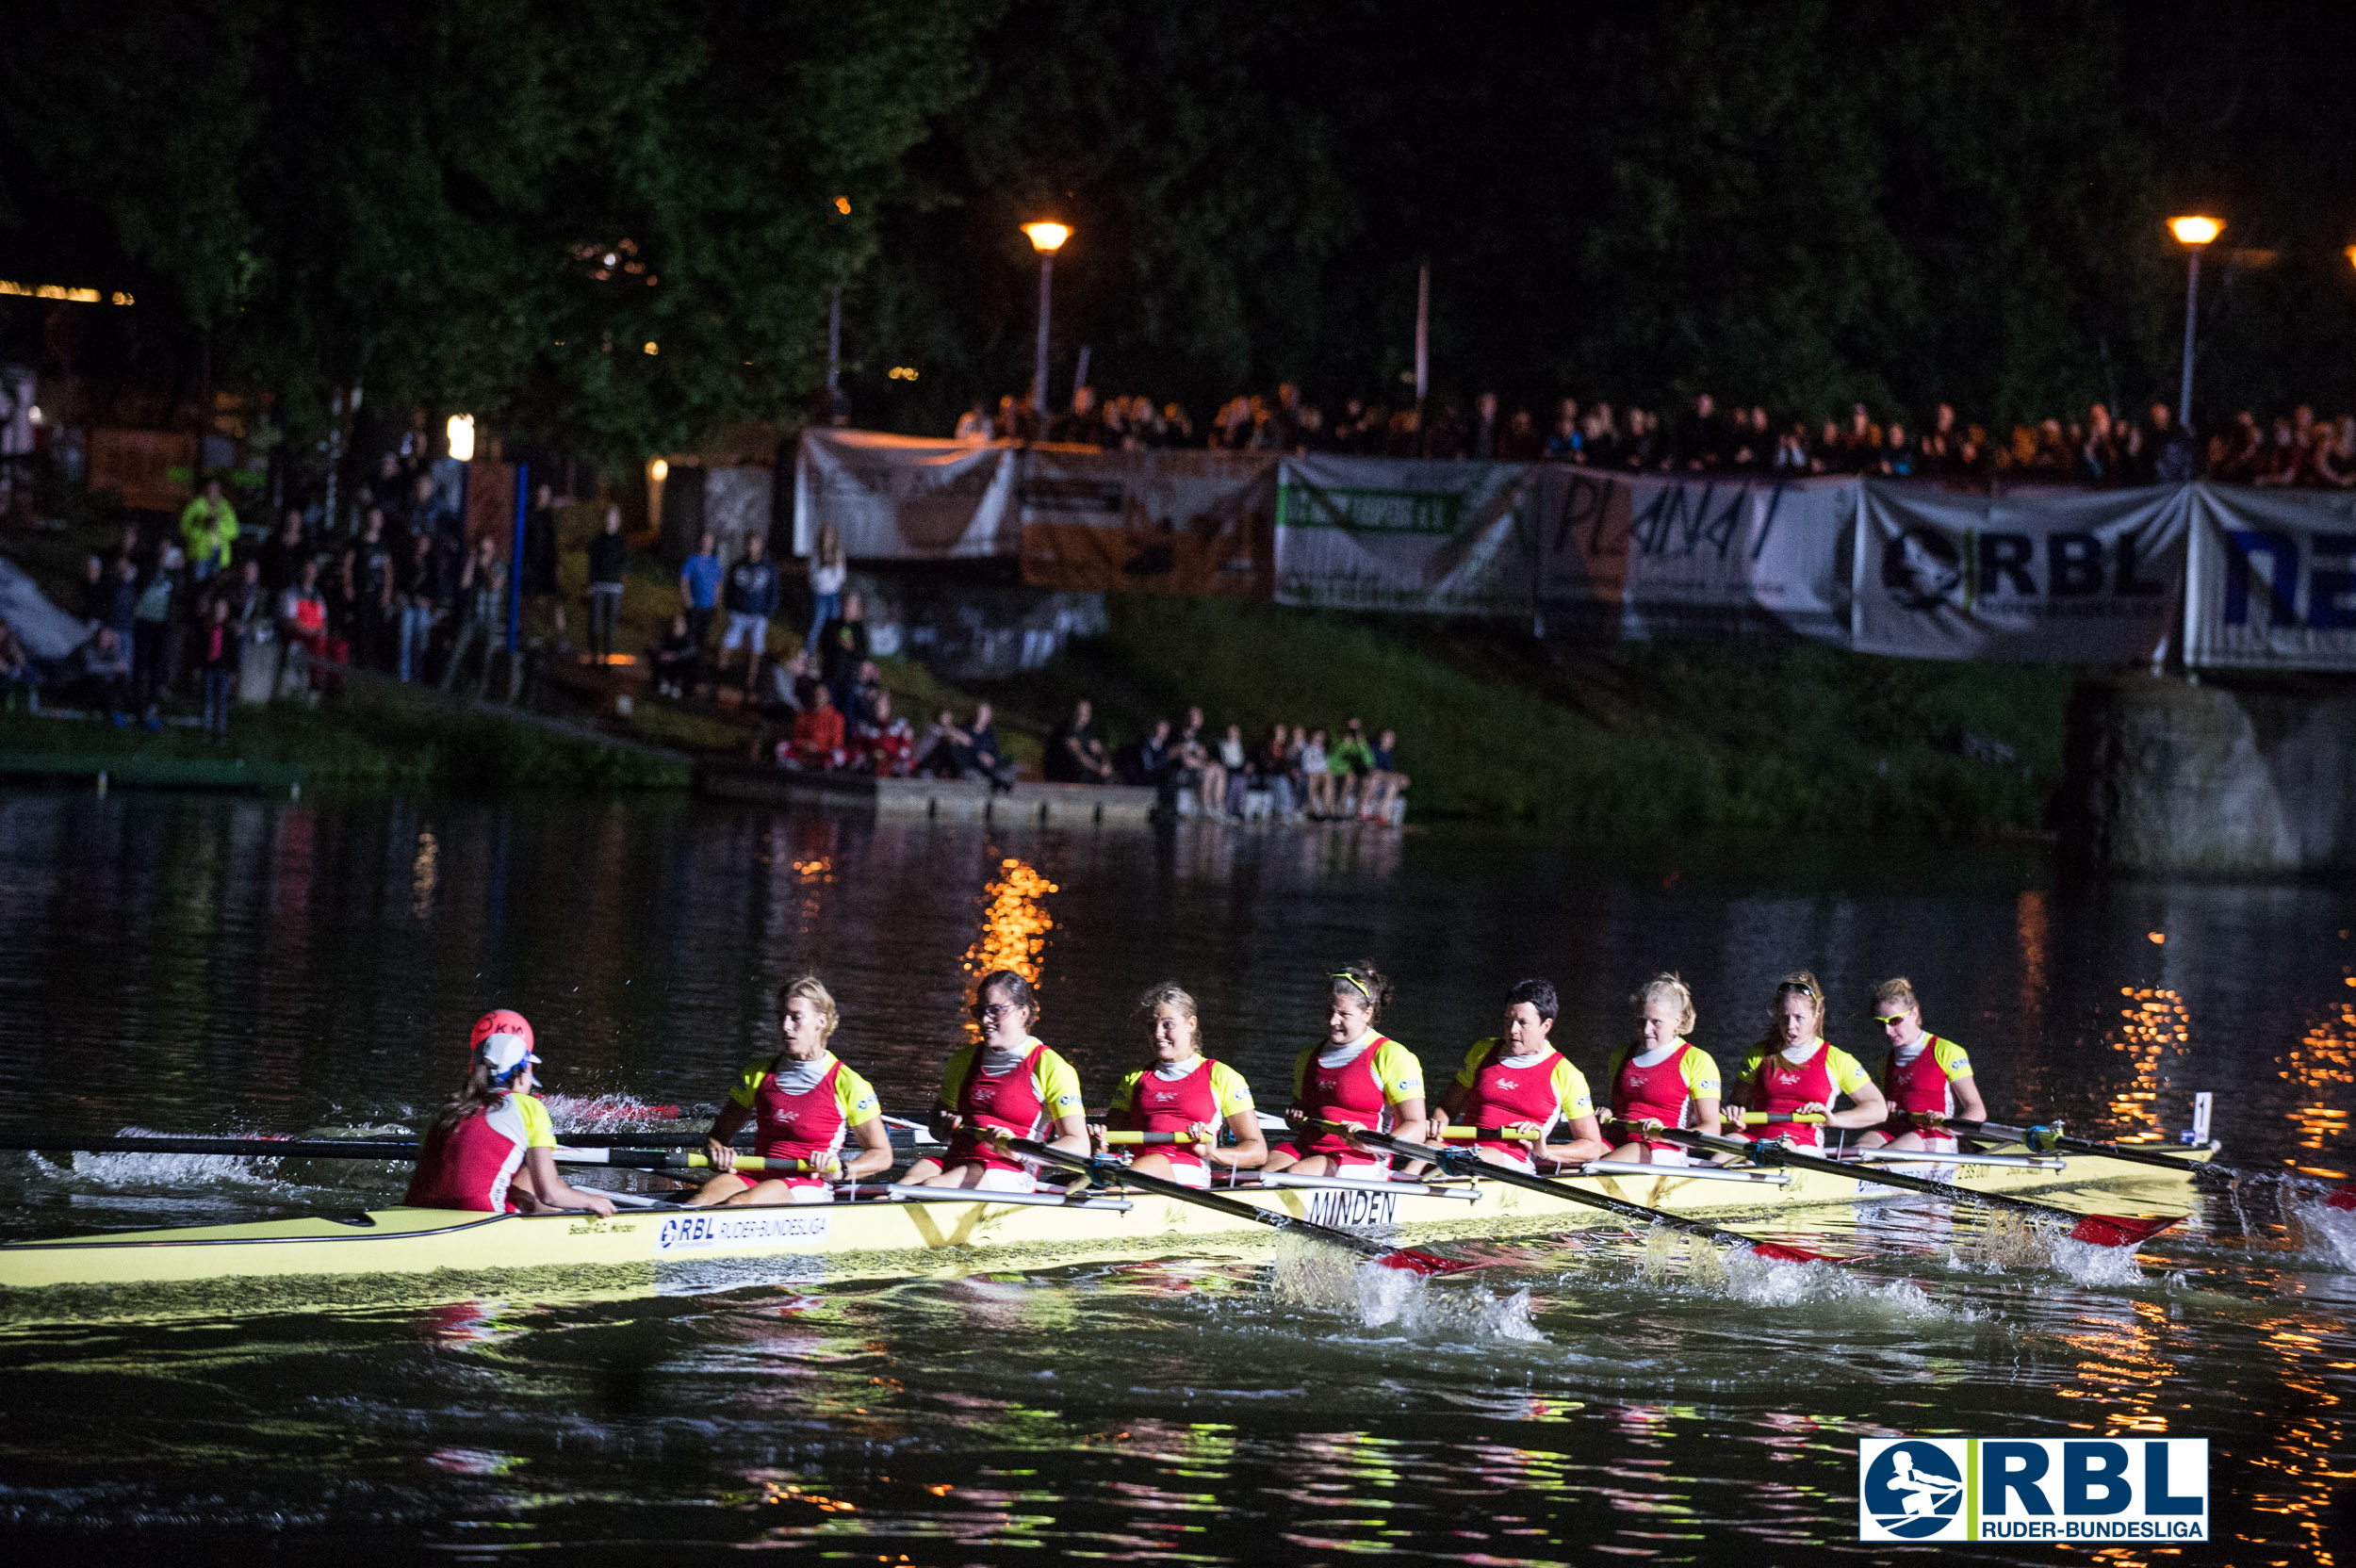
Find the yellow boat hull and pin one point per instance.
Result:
(414, 1241)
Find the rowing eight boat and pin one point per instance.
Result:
(904, 1220)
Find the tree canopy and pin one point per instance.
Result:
(1799, 204)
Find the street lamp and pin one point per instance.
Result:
(1046, 238)
(2193, 233)
(461, 429)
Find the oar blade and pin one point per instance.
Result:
(1778, 1251)
(1411, 1260)
(2120, 1229)
(2341, 1197)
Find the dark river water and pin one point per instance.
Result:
(201, 965)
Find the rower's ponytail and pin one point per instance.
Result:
(475, 1096)
(1669, 986)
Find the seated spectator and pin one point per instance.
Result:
(984, 758)
(887, 744)
(677, 659)
(1193, 767)
(1273, 765)
(107, 674)
(938, 755)
(818, 737)
(1317, 777)
(1075, 755)
(1233, 764)
(866, 687)
(1386, 783)
(1147, 763)
(1351, 762)
(789, 681)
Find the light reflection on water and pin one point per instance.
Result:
(250, 966)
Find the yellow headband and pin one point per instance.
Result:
(1354, 983)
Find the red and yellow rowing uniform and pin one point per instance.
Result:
(1026, 1100)
(1663, 1091)
(1544, 1093)
(471, 1166)
(1207, 1094)
(1357, 1084)
(1779, 1085)
(805, 1122)
(1923, 1084)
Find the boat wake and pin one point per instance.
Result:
(1320, 1277)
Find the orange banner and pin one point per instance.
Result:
(1149, 522)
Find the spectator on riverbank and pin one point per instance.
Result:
(1386, 783)
(984, 758)
(422, 597)
(539, 562)
(1317, 777)
(842, 647)
(303, 622)
(282, 554)
(368, 592)
(829, 572)
(216, 667)
(818, 735)
(751, 598)
(106, 669)
(887, 744)
(699, 581)
(1351, 762)
(938, 756)
(208, 526)
(609, 555)
(151, 634)
(1234, 765)
(866, 687)
(675, 659)
(1074, 754)
(482, 617)
(97, 601)
(1146, 764)
(1272, 766)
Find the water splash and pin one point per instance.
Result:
(2319, 1232)
(2092, 1265)
(1317, 1277)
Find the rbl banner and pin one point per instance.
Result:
(2066, 1489)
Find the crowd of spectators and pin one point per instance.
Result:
(1293, 768)
(2108, 447)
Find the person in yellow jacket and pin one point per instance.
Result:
(209, 524)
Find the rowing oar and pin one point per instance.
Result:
(2102, 1229)
(1466, 1162)
(2046, 1140)
(2341, 1197)
(1454, 1135)
(369, 1149)
(1763, 1118)
(1100, 1169)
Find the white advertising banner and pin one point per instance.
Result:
(1386, 533)
(1651, 556)
(2072, 576)
(894, 498)
(2273, 579)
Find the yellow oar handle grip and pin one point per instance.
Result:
(1760, 1118)
(1452, 1134)
(754, 1162)
(1120, 1139)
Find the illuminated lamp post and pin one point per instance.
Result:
(2194, 235)
(1046, 238)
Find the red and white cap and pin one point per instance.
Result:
(504, 1038)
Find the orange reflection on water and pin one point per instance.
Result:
(2323, 1065)
(2029, 930)
(2154, 1023)
(1015, 922)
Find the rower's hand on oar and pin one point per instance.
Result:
(1204, 1138)
(1096, 1137)
(723, 1156)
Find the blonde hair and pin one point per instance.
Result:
(1898, 989)
(1168, 993)
(1666, 984)
(1799, 982)
(810, 986)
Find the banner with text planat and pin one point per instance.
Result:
(1388, 534)
(1149, 522)
(2273, 579)
(894, 498)
(1644, 556)
(2061, 575)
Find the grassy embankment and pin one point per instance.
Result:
(1637, 738)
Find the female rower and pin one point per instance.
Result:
(492, 1149)
(1925, 1078)
(1356, 1077)
(1518, 1083)
(1661, 1078)
(805, 1100)
(1184, 1091)
(1794, 1072)
(1006, 1082)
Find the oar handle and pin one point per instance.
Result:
(1450, 1134)
(1120, 1140)
(1765, 1119)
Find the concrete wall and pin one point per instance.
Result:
(2243, 778)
